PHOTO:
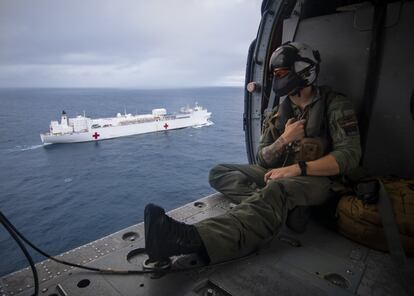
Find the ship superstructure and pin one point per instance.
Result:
(85, 129)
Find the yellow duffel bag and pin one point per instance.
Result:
(362, 222)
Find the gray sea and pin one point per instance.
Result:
(65, 195)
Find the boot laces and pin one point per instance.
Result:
(180, 232)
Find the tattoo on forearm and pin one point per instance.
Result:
(272, 152)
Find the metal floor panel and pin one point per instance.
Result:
(325, 263)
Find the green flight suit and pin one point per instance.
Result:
(262, 207)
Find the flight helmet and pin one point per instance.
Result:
(294, 66)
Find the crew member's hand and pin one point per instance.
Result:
(289, 171)
(294, 130)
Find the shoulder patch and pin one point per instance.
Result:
(349, 124)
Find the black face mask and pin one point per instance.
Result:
(287, 84)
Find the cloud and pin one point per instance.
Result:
(130, 43)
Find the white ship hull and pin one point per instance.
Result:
(95, 132)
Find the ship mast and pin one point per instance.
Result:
(64, 119)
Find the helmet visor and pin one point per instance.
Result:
(279, 73)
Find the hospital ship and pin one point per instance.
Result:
(85, 129)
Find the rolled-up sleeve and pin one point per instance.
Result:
(344, 131)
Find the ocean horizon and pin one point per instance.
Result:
(62, 196)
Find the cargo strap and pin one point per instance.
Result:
(393, 239)
(271, 103)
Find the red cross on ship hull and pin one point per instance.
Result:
(96, 135)
(166, 125)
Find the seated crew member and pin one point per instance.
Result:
(307, 139)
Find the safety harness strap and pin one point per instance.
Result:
(393, 238)
(271, 103)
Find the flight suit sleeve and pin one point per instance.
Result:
(267, 138)
(343, 128)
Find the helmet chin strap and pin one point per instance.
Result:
(296, 92)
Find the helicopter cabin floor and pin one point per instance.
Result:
(317, 262)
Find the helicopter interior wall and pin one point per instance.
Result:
(343, 48)
(343, 40)
(390, 145)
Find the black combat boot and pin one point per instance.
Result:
(165, 237)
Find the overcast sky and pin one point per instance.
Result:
(125, 43)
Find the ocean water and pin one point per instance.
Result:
(65, 195)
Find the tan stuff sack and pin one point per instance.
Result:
(362, 223)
